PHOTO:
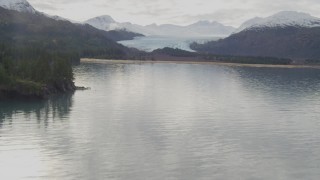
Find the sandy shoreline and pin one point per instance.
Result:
(107, 61)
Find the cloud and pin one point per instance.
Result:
(56, 2)
(45, 6)
(227, 16)
(230, 12)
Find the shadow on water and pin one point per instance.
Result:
(57, 107)
(279, 82)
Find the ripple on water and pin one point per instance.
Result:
(168, 121)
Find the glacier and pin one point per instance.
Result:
(150, 43)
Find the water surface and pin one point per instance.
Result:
(168, 121)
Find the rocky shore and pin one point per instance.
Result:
(36, 91)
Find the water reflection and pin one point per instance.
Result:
(56, 107)
(282, 86)
(277, 79)
(169, 121)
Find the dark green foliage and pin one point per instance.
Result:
(123, 34)
(61, 70)
(222, 58)
(28, 71)
(290, 42)
(23, 30)
(103, 53)
(312, 61)
(247, 59)
(36, 51)
(175, 52)
(4, 78)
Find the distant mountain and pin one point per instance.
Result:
(286, 34)
(17, 5)
(24, 6)
(36, 51)
(20, 30)
(103, 22)
(281, 19)
(201, 28)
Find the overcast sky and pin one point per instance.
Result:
(182, 12)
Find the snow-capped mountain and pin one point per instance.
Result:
(286, 34)
(201, 28)
(17, 5)
(103, 22)
(26, 7)
(281, 19)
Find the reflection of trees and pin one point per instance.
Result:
(55, 108)
(281, 82)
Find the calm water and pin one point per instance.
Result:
(168, 121)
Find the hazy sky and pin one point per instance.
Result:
(229, 12)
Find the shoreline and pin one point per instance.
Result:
(108, 61)
(24, 92)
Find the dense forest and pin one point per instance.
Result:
(246, 59)
(36, 52)
(24, 29)
(298, 43)
(33, 72)
(174, 52)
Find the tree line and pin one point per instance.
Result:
(33, 67)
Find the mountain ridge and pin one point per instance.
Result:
(200, 28)
(285, 35)
(24, 6)
(18, 29)
(281, 19)
(17, 5)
